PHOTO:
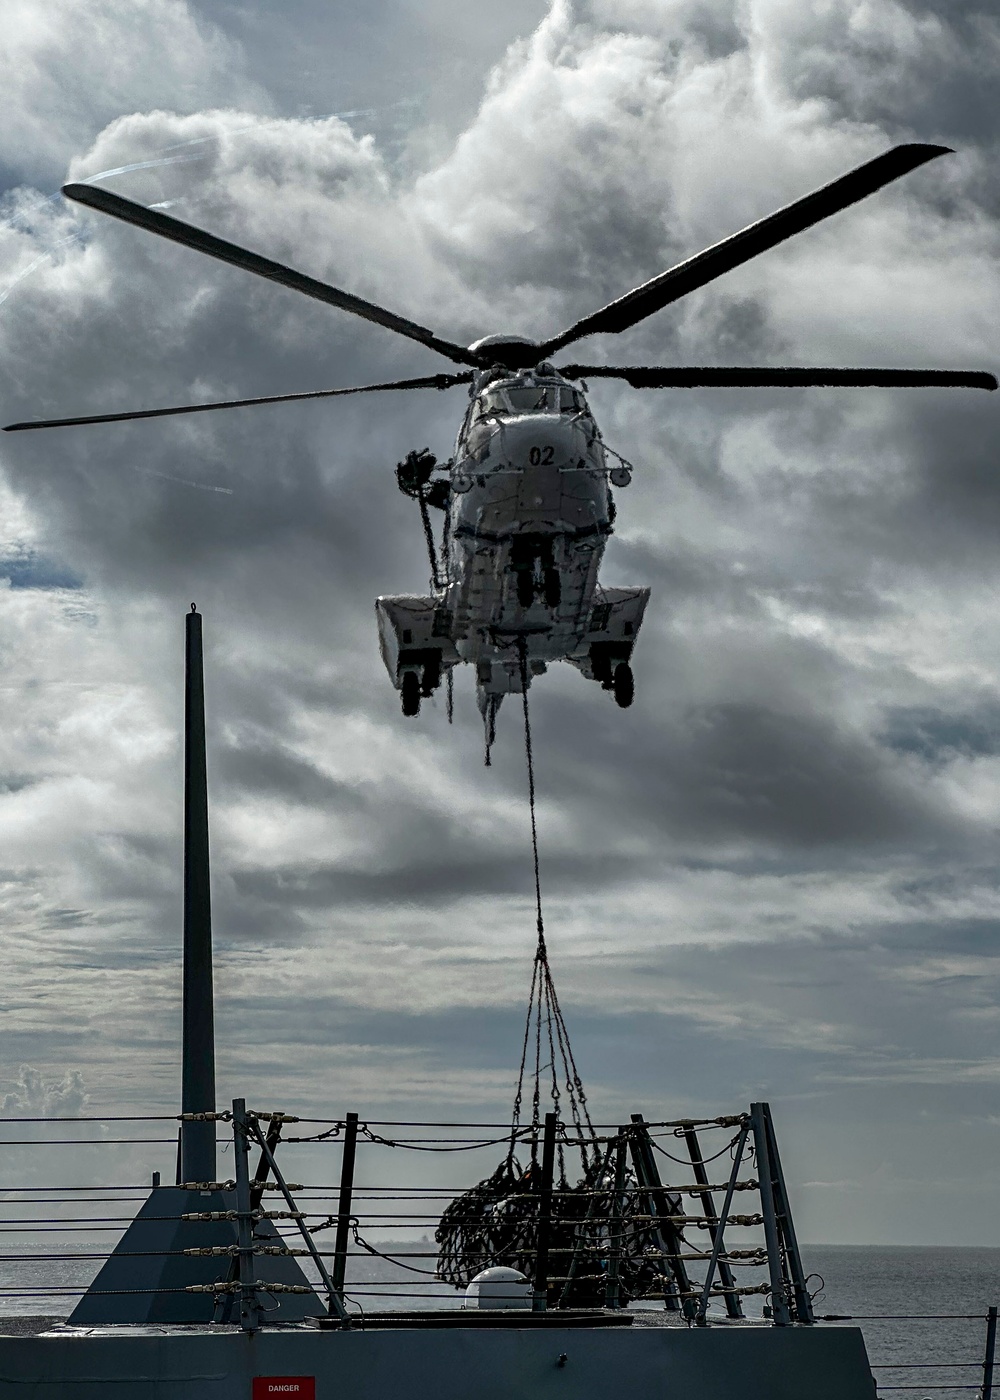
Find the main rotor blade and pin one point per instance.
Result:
(737, 377)
(704, 267)
(208, 243)
(434, 381)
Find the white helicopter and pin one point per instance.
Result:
(528, 511)
(526, 498)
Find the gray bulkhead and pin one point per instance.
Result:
(548, 1363)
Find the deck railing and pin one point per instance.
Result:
(363, 1238)
(979, 1359)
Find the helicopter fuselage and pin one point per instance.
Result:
(529, 511)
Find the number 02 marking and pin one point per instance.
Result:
(541, 456)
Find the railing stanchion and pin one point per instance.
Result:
(799, 1293)
(336, 1305)
(612, 1292)
(582, 1230)
(720, 1228)
(545, 1213)
(249, 1305)
(661, 1203)
(344, 1203)
(991, 1346)
(734, 1307)
(779, 1288)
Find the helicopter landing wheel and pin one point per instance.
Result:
(410, 693)
(624, 685)
(553, 588)
(525, 588)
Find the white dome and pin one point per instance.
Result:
(498, 1288)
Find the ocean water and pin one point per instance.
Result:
(921, 1309)
(944, 1354)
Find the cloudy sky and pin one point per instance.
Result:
(776, 875)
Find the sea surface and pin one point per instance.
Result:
(917, 1305)
(922, 1309)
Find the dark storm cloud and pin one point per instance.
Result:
(786, 777)
(956, 504)
(271, 770)
(456, 875)
(937, 736)
(866, 67)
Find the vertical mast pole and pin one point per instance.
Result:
(197, 1144)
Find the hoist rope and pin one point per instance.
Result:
(543, 1003)
(429, 537)
(522, 656)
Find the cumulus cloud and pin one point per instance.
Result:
(809, 771)
(34, 1095)
(68, 69)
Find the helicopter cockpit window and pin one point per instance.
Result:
(528, 398)
(494, 402)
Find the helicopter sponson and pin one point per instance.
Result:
(528, 510)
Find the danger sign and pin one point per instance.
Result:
(284, 1388)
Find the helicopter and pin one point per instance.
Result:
(526, 496)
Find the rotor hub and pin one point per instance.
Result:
(511, 351)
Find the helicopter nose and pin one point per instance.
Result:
(541, 440)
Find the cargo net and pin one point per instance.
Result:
(496, 1221)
